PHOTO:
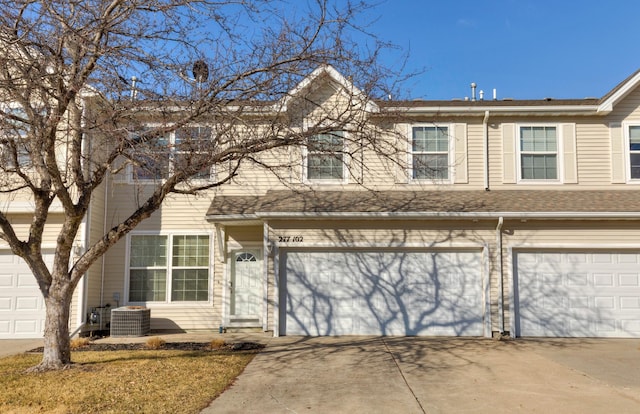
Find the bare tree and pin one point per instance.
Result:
(82, 81)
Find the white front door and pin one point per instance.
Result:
(246, 289)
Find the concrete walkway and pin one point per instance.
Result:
(18, 346)
(437, 375)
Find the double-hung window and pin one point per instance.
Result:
(151, 158)
(538, 153)
(325, 157)
(15, 153)
(430, 146)
(184, 148)
(191, 148)
(634, 152)
(169, 268)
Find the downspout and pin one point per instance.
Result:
(500, 274)
(485, 148)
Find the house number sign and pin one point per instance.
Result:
(290, 239)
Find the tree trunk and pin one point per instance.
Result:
(57, 349)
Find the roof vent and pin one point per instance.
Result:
(507, 99)
(548, 99)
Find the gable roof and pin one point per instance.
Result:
(328, 72)
(619, 92)
(405, 204)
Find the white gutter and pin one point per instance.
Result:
(500, 274)
(485, 148)
(513, 109)
(436, 214)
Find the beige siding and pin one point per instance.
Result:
(178, 214)
(95, 227)
(627, 109)
(592, 156)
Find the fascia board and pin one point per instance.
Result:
(607, 105)
(475, 215)
(506, 110)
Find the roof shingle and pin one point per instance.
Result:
(445, 202)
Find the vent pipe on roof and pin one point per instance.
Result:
(473, 91)
(481, 94)
(134, 92)
(495, 94)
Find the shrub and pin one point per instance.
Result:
(78, 343)
(216, 344)
(155, 343)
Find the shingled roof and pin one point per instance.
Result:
(543, 203)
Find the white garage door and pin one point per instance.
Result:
(578, 294)
(381, 293)
(22, 310)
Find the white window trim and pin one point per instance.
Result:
(626, 126)
(559, 154)
(167, 301)
(130, 179)
(346, 164)
(451, 154)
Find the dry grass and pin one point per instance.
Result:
(217, 343)
(120, 382)
(155, 343)
(78, 343)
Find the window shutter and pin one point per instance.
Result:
(402, 165)
(569, 153)
(509, 153)
(618, 161)
(460, 154)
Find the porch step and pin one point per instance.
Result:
(242, 329)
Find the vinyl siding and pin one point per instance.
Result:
(95, 227)
(178, 214)
(387, 170)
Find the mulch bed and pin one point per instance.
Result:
(178, 346)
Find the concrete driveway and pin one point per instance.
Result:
(438, 375)
(18, 346)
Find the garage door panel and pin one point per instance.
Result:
(631, 325)
(22, 310)
(382, 292)
(630, 302)
(6, 280)
(5, 304)
(577, 294)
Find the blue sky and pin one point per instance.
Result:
(526, 49)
